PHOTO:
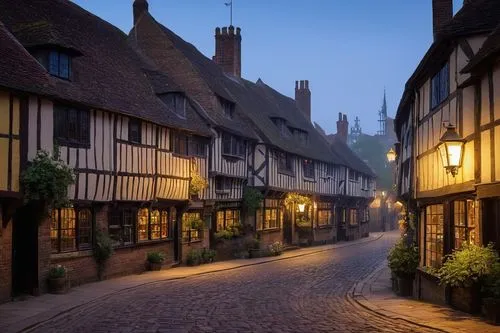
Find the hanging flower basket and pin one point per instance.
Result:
(297, 199)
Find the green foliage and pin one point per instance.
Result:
(203, 256)
(295, 198)
(57, 272)
(102, 251)
(252, 244)
(373, 152)
(303, 222)
(276, 248)
(47, 179)
(197, 184)
(431, 270)
(156, 257)
(468, 266)
(491, 286)
(224, 234)
(403, 259)
(196, 223)
(252, 198)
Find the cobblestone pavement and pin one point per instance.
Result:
(305, 294)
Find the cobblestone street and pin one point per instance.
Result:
(305, 294)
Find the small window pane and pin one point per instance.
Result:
(63, 66)
(54, 63)
(84, 228)
(142, 224)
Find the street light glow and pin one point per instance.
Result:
(391, 155)
(451, 150)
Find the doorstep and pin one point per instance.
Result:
(375, 294)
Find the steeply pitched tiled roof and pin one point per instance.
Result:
(490, 48)
(209, 71)
(107, 74)
(474, 18)
(18, 68)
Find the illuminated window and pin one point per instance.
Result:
(142, 224)
(325, 216)
(464, 222)
(433, 235)
(71, 229)
(353, 216)
(227, 218)
(190, 234)
(269, 217)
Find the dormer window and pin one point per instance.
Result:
(281, 124)
(56, 62)
(228, 108)
(301, 136)
(176, 102)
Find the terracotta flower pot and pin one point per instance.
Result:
(154, 266)
(58, 285)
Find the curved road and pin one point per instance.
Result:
(304, 294)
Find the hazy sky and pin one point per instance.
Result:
(349, 50)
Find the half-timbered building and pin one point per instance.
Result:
(133, 138)
(139, 118)
(456, 84)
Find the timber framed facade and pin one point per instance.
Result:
(456, 83)
(138, 124)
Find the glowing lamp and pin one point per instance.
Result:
(301, 207)
(451, 149)
(391, 155)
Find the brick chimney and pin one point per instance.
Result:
(442, 13)
(303, 97)
(228, 50)
(342, 127)
(140, 7)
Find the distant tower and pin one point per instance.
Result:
(355, 131)
(382, 118)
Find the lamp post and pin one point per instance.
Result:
(451, 149)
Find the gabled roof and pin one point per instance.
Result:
(208, 71)
(349, 157)
(18, 68)
(107, 73)
(474, 18)
(490, 48)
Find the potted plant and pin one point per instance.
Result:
(102, 251)
(58, 283)
(253, 246)
(193, 257)
(207, 255)
(491, 292)
(155, 260)
(276, 248)
(197, 224)
(464, 271)
(403, 262)
(197, 184)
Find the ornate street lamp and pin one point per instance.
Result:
(301, 207)
(391, 155)
(451, 149)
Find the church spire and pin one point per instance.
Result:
(382, 117)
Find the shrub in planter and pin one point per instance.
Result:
(223, 234)
(193, 257)
(403, 262)
(102, 251)
(207, 256)
(197, 224)
(57, 280)
(464, 271)
(155, 259)
(491, 292)
(276, 248)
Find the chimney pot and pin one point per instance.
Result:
(139, 8)
(228, 50)
(303, 97)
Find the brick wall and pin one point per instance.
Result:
(325, 235)
(269, 237)
(5, 260)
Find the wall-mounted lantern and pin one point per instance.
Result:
(451, 149)
(302, 207)
(391, 155)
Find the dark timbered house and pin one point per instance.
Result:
(456, 83)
